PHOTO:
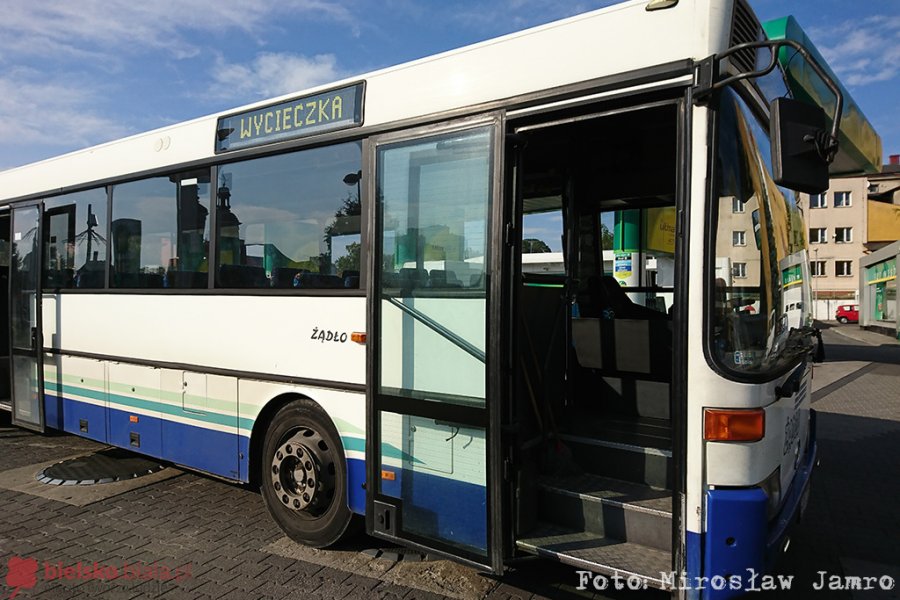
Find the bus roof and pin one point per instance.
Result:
(572, 51)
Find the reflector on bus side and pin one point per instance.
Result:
(720, 425)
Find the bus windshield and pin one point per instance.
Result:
(760, 280)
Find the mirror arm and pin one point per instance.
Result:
(826, 143)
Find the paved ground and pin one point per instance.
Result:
(189, 536)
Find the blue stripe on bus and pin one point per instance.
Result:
(439, 507)
(216, 452)
(356, 485)
(735, 538)
(208, 450)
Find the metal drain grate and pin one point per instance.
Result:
(105, 466)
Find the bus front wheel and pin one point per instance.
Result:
(303, 475)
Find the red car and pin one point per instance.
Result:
(847, 313)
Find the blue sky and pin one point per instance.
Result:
(74, 73)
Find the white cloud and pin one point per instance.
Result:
(864, 51)
(272, 74)
(106, 31)
(51, 113)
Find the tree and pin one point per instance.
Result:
(350, 261)
(606, 237)
(532, 246)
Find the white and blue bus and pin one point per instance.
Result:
(323, 294)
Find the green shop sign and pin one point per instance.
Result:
(791, 276)
(883, 271)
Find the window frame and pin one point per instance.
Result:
(843, 239)
(753, 107)
(815, 271)
(213, 165)
(823, 197)
(849, 269)
(821, 235)
(362, 190)
(847, 195)
(739, 238)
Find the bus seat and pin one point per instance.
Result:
(283, 277)
(412, 278)
(242, 276)
(150, 280)
(350, 279)
(444, 279)
(632, 356)
(319, 281)
(187, 279)
(91, 279)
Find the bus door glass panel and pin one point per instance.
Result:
(25, 318)
(433, 204)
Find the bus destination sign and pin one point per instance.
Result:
(291, 119)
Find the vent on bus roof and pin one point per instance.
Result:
(745, 28)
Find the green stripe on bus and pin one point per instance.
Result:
(388, 451)
(152, 406)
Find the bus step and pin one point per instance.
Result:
(641, 431)
(599, 554)
(6, 405)
(629, 462)
(609, 507)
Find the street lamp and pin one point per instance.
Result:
(354, 179)
(816, 286)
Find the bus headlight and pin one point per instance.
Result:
(771, 485)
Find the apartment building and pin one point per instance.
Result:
(854, 217)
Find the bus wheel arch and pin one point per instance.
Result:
(301, 469)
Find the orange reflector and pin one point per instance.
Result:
(734, 425)
(358, 336)
(388, 475)
(132, 419)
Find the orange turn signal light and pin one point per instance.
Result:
(720, 425)
(358, 336)
(388, 475)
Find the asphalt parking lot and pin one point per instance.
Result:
(178, 534)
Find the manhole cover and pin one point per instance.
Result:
(105, 466)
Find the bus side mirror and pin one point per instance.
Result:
(798, 135)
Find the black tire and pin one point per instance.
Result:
(303, 475)
(843, 320)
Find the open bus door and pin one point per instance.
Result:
(432, 454)
(26, 362)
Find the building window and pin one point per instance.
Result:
(817, 268)
(818, 200)
(738, 238)
(739, 270)
(818, 235)
(843, 235)
(737, 206)
(841, 199)
(843, 268)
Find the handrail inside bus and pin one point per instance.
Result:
(439, 329)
